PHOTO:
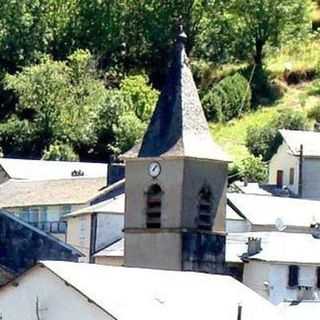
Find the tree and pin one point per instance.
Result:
(264, 140)
(58, 102)
(261, 22)
(126, 112)
(252, 169)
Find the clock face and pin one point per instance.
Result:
(154, 169)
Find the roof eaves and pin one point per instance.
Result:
(89, 299)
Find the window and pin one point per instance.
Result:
(205, 209)
(291, 176)
(293, 278)
(153, 213)
(318, 277)
(65, 209)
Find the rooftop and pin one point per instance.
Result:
(133, 293)
(288, 248)
(178, 127)
(301, 310)
(269, 210)
(44, 170)
(113, 205)
(309, 139)
(22, 193)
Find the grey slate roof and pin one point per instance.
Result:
(22, 245)
(309, 139)
(178, 127)
(20, 193)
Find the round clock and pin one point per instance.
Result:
(154, 169)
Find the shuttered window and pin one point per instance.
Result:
(205, 209)
(293, 278)
(153, 214)
(291, 176)
(318, 277)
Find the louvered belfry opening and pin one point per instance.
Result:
(205, 209)
(154, 195)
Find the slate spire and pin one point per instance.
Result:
(178, 127)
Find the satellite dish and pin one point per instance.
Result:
(280, 225)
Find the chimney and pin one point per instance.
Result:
(254, 246)
(116, 172)
(315, 230)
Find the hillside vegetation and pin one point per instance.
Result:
(79, 79)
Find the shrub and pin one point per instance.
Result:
(253, 169)
(60, 152)
(314, 113)
(264, 141)
(228, 99)
(140, 95)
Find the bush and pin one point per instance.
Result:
(265, 140)
(314, 113)
(252, 169)
(230, 98)
(60, 152)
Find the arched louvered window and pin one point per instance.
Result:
(153, 214)
(205, 218)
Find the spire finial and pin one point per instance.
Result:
(182, 35)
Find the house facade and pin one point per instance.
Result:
(282, 267)
(43, 203)
(296, 164)
(95, 227)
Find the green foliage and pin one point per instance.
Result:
(141, 97)
(269, 22)
(314, 113)
(58, 101)
(228, 99)
(125, 114)
(252, 169)
(60, 152)
(264, 140)
(128, 131)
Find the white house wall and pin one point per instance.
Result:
(255, 275)
(237, 226)
(311, 179)
(270, 280)
(56, 300)
(109, 229)
(283, 160)
(79, 233)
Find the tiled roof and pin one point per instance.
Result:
(20, 193)
(309, 139)
(178, 127)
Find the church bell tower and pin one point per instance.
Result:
(176, 182)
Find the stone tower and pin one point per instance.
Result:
(176, 183)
